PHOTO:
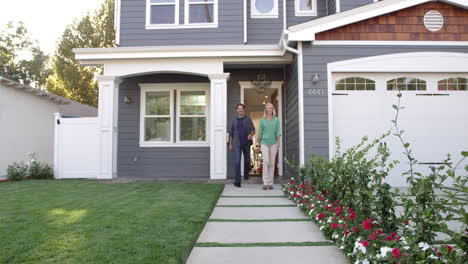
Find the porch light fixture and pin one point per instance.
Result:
(261, 83)
(127, 100)
(315, 78)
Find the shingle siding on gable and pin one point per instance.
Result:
(230, 29)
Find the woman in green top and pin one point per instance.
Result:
(269, 135)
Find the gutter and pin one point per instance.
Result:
(300, 90)
(245, 21)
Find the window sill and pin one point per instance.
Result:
(172, 145)
(200, 25)
(263, 16)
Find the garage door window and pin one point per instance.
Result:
(406, 84)
(355, 84)
(453, 84)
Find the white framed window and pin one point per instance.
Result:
(355, 84)
(201, 12)
(174, 114)
(306, 8)
(453, 84)
(162, 13)
(407, 84)
(264, 8)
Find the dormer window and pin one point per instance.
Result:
(264, 8)
(306, 7)
(162, 12)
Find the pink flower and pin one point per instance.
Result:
(365, 243)
(379, 232)
(372, 236)
(389, 238)
(346, 232)
(367, 224)
(291, 182)
(352, 215)
(333, 225)
(396, 253)
(355, 229)
(449, 248)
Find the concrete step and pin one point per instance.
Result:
(266, 255)
(257, 213)
(254, 201)
(251, 190)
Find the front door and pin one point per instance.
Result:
(254, 101)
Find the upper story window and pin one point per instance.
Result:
(453, 84)
(264, 8)
(164, 14)
(306, 7)
(406, 84)
(355, 84)
(200, 11)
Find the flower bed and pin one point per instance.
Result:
(362, 239)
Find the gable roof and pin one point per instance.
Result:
(13, 84)
(306, 31)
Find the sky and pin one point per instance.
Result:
(45, 19)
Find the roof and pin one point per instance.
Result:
(306, 31)
(13, 84)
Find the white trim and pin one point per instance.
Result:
(245, 21)
(56, 144)
(201, 25)
(117, 13)
(300, 102)
(171, 88)
(306, 31)
(338, 6)
(299, 12)
(195, 87)
(254, 13)
(390, 43)
(148, 24)
(148, 52)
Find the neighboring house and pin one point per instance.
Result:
(331, 67)
(27, 121)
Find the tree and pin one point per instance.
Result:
(69, 78)
(21, 59)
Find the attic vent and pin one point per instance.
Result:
(433, 20)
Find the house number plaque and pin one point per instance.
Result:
(315, 92)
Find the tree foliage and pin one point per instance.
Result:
(69, 78)
(21, 59)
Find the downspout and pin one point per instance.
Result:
(285, 21)
(338, 6)
(300, 93)
(245, 21)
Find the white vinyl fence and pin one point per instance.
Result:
(76, 147)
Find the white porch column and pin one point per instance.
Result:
(218, 139)
(108, 118)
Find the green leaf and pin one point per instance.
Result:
(464, 153)
(395, 107)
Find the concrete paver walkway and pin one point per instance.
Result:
(253, 226)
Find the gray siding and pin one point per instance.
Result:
(230, 29)
(164, 163)
(233, 98)
(291, 121)
(350, 4)
(316, 59)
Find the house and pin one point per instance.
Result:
(27, 121)
(331, 67)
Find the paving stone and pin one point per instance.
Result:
(257, 213)
(251, 190)
(266, 255)
(257, 232)
(254, 201)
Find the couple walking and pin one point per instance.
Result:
(241, 135)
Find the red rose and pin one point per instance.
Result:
(367, 224)
(379, 232)
(389, 238)
(320, 216)
(343, 218)
(291, 182)
(372, 236)
(365, 243)
(449, 248)
(396, 253)
(346, 232)
(352, 215)
(333, 225)
(355, 229)
(406, 222)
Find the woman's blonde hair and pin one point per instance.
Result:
(265, 112)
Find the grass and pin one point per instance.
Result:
(70, 221)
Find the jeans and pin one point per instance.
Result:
(238, 151)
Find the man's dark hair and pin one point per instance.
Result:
(237, 106)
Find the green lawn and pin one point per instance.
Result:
(70, 221)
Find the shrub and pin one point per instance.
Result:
(17, 171)
(39, 170)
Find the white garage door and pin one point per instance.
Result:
(435, 118)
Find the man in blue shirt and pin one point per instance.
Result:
(240, 139)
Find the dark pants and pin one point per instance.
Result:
(238, 151)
